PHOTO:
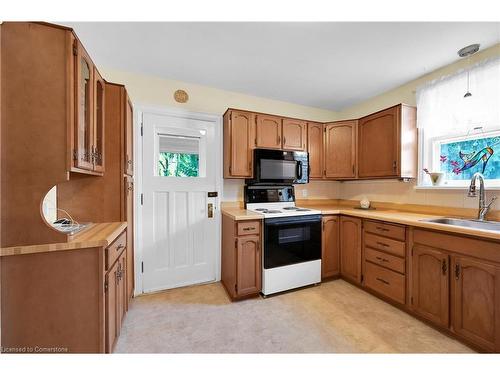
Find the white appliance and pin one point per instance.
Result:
(291, 241)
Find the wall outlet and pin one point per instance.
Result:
(304, 193)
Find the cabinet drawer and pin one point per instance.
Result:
(387, 230)
(385, 260)
(114, 250)
(248, 227)
(385, 282)
(385, 244)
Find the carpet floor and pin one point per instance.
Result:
(334, 317)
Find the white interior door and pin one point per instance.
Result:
(181, 221)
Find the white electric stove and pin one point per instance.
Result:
(280, 209)
(291, 241)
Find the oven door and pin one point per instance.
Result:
(291, 240)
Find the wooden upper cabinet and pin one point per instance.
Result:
(476, 301)
(330, 242)
(380, 139)
(429, 284)
(350, 248)
(268, 131)
(129, 136)
(315, 149)
(87, 145)
(84, 108)
(239, 140)
(294, 135)
(248, 265)
(99, 108)
(340, 149)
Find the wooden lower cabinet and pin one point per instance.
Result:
(129, 218)
(476, 301)
(70, 300)
(430, 284)
(115, 289)
(241, 272)
(248, 279)
(111, 291)
(388, 283)
(350, 248)
(330, 254)
(456, 285)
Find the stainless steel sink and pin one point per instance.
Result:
(477, 224)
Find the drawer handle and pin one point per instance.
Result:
(249, 228)
(382, 244)
(382, 259)
(382, 229)
(382, 281)
(119, 247)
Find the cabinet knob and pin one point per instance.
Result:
(444, 266)
(457, 271)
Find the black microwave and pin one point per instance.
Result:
(279, 167)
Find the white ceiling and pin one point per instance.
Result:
(326, 65)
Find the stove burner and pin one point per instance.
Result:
(303, 209)
(290, 208)
(272, 211)
(261, 209)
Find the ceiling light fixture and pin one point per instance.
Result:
(467, 52)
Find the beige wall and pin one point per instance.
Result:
(400, 192)
(154, 91)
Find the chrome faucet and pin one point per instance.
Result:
(483, 207)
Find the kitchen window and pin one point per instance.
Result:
(459, 134)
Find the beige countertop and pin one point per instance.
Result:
(237, 213)
(96, 235)
(388, 215)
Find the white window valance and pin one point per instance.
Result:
(443, 110)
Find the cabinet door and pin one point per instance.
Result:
(350, 248)
(84, 71)
(330, 257)
(294, 135)
(268, 131)
(340, 149)
(476, 302)
(241, 140)
(99, 107)
(315, 149)
(121, 292)
(378, 144)
(111, 281)
(129, 137)
(129, 218)
(248, 279)
(429, 281)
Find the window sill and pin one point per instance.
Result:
(459, 188)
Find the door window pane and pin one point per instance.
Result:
(178, 156)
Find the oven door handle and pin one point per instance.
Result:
(296, 220)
